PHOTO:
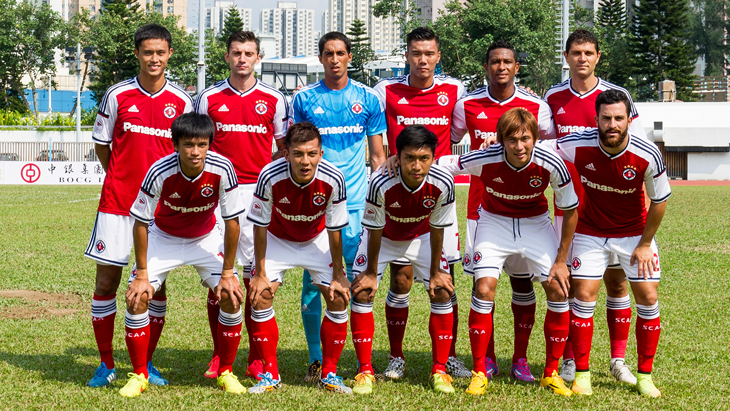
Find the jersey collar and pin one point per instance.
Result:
(241, 93)
(408, 83)
(503, 102)
(586, 94)
(532, 157)
(619, 154)
(400, 177)
(139, 85)
(291, 177)
(179, 167)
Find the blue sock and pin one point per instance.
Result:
(311, 316)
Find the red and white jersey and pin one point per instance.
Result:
(613, 202)
(575, 112)
(182, 206)
(432, 107)
(478, 114)
(404, 213)
(245, 124)
(296, 212)
(137, 125)
(516, 192)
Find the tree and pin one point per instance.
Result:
(216, 67)
(661, 43)
(582, 18)
(710, 26)
(233, 23)
(405, 12)
(10, 73)
(362, 53)
(612, 29)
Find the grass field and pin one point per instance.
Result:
(48, 353)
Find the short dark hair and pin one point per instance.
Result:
(422, 34)
(502, 44)
(301, 133)
(416, 136)
(152, 32)
(334, 35)
(192, 125)
(613, 96)
(581, 36)
(244, 37)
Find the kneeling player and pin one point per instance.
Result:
(514, 221)
(296, 198)
(405, 217)
(180, 193)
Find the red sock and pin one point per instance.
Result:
(568, 350)
(440, 324)
(647, 339)
(333, 336)
(137, 341)
(619, 324)
(265, 336)
(229, 336)
(452, 349)
(396, 319)
(581, 332)
(363, 328)
(158, 310)
(253, 354)
(556, 331)
(480, 331)
(103, 313)
(490, 346)
(213, 312)
(524, 319)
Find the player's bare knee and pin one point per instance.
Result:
(264, 302)
(521, 285)
(362, 297)
(441, 296)
(645, 293)
(616, 285)
(553, 292)
(484, 289)
(337, 303)
(226, 303)
(142, 305)
(108, 278)
(401, 278)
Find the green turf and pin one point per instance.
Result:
(46, 362)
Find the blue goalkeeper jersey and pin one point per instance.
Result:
(344, 118)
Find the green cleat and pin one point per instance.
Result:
(136, 385)
(441, 382)
(229, 383)
(363, 384)
(646, 386)
(582, 383)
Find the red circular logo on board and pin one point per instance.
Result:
(30, 173)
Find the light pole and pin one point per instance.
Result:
(201, 46)
(50, 82)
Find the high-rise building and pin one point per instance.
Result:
(325, 23)
(384, 33)
(292, 27)
(216, 16)
(166, 7)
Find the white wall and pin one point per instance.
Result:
(23, 136)
(708, 166)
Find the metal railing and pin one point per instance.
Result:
(47, 152)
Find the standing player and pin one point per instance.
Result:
(514, 221)
(248, 115)
(405, 219)
(346, 112)
(426, 99)
(573, 106)
(131, 132)
(176, 204)
(299, 210)
(614, 166)
(478, 114)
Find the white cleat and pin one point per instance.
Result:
(621, 372)
(567, 373)
(457, 369)
(396, 368)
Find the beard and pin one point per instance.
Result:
(610, 142)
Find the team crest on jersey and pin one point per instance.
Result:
(535, 182)
(477, 257)
(429, 202)
(261, 107)
(100, 246)
(357, 108)
(319, 199)
(369, 211)
(442, 98)
(629, 173)
(256, 209)
(467, 259)
(207, 190)
(576, 263)
(169, 111)
(140, 204)
(361, 260)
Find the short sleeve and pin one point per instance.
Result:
(374, 215)
(442, 215)
(106, 117)
(637, 128)
(458, 122)
(562, 148)
(336, 215)
(201, 104)
(379, 90)
(376, 121)
(545, 123)
(460, 165)
(656, 181)
(231, 200)
(562, 184)
(145, 204)
(189, 105)
(262, 203)
(281, 118)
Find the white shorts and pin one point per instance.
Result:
(497, 238)
(515, 266)
(244, 253)
(591, 256)
(313, 255)
(416, 252)
(612, 260)
(452, 250)
(111, 239)
(166, 253)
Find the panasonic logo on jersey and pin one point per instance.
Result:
(484, 134)
(190, 209)
(570, 129)
(512, 196)
(150, 131)
(248, 128)
(602, 187)
(426, 121)
(357, 128)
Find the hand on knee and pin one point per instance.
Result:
(362, 297)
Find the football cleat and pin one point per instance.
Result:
(478, 383)
(136, 385)
(255, 369)
(229, 383)
(568, 371)
(621, 372)
(266, 383)
(213, 368)
(334, 383)
(456, 368)
(379, 377)
(441, 382)
(492, 369)
(396, 368)
(154, 375)
(363, 384)
(582, 384)
(556, 384)
(314, 371)
(646, 386)
(102, 376)
(521, 371)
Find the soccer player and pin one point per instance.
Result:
(176, 203)
(478, 114)
(248, 114)
(514, 221)
(346, 113)
(615, 165)
(427, 99)
(405, 219)
(299, 209)
(573, 106)
(131, 132)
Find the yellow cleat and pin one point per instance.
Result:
(478, 383)
(555, 383)
(646, 386)
(441, 382)
(363, 384)
(136, 385)
(582, 383)
(229, 383)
